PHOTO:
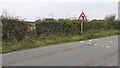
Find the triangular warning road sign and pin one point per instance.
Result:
(83, 16)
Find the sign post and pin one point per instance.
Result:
(81, 27)
(82, 15)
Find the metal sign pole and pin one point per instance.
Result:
(83, 16)
(81, 27)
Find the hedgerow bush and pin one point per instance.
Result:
(65, 27)
(13, 28)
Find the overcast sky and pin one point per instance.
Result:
(32, 9)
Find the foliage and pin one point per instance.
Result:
(110, 18)
(65, 27)
(68, 27)
(32, 43)
(12, 29)
(51, 31)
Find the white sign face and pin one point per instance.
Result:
(119, 10)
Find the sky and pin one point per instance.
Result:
(34, 9)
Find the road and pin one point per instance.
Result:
(93, 52)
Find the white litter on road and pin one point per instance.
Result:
(81, 41)
(107, 46)
(95, 44)
(111, 41)
(90, 40)
(90, 43)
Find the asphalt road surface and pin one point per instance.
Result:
(93, 52)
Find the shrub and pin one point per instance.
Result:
(57, 27)
(12, 29)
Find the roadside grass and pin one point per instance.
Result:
(33, 43)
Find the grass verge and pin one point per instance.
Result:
(32, 43)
